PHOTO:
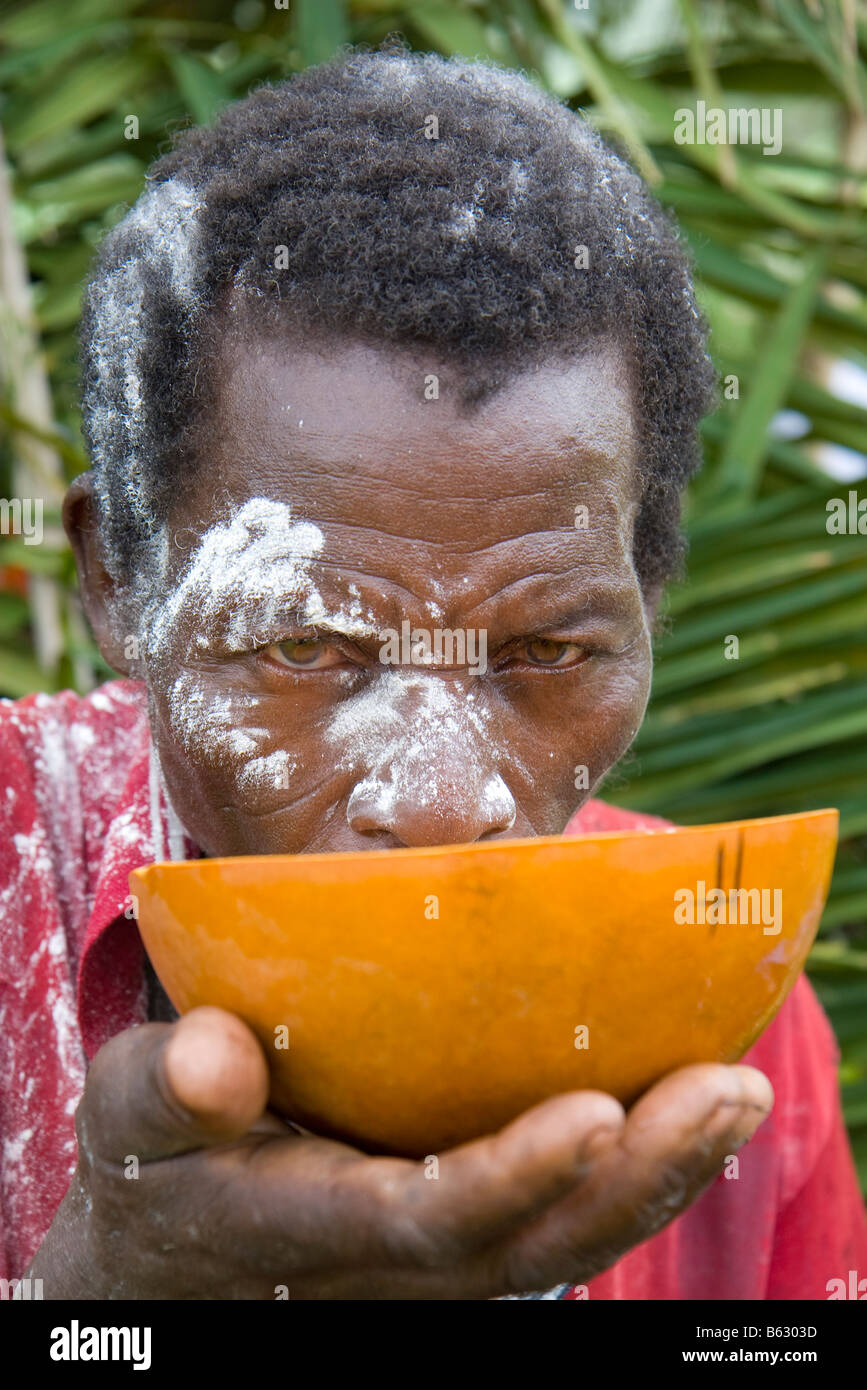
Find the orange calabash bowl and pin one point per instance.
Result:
(410, 1000)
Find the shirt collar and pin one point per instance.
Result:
(144, 829)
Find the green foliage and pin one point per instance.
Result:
(779, 247)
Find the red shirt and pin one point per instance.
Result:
(79, 810)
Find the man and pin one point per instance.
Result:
(399, 341)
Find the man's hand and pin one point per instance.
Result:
(229, 1203)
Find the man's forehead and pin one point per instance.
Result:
(528, 501)
(374, 418)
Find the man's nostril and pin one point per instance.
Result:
(451, 810)
(371, 806)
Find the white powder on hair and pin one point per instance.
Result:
(462, 223)
(164, 229)
(518, 178)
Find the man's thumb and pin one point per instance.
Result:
(165, 1089)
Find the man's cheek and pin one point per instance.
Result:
(217, 748)
(259, 805)
(605, 721)
(212, 725)
(621, 710)
(236, 774)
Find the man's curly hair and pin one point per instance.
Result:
(403, 199)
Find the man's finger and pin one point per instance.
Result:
(675, 1141)
(165, 1089)
(431, 1214)
(484, 1189)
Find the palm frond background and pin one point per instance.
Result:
(90, 89)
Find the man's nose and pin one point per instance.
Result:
(435, 806)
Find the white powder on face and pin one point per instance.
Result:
(405, 735)
(247, 569)
(416, 738)
(347, 621)
(498, 800)
(246, 574)
(269, 773)
(213, 726)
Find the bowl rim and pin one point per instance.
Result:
(374, 856)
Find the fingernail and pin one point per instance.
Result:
(751, 1117)
(756, 1089)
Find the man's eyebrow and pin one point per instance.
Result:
(572, 619)
(338, 620)
(573, 598)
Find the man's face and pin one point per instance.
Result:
(301, 699)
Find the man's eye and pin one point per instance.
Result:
(305, 656)
(543, 651)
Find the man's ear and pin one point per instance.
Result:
(99, 592)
